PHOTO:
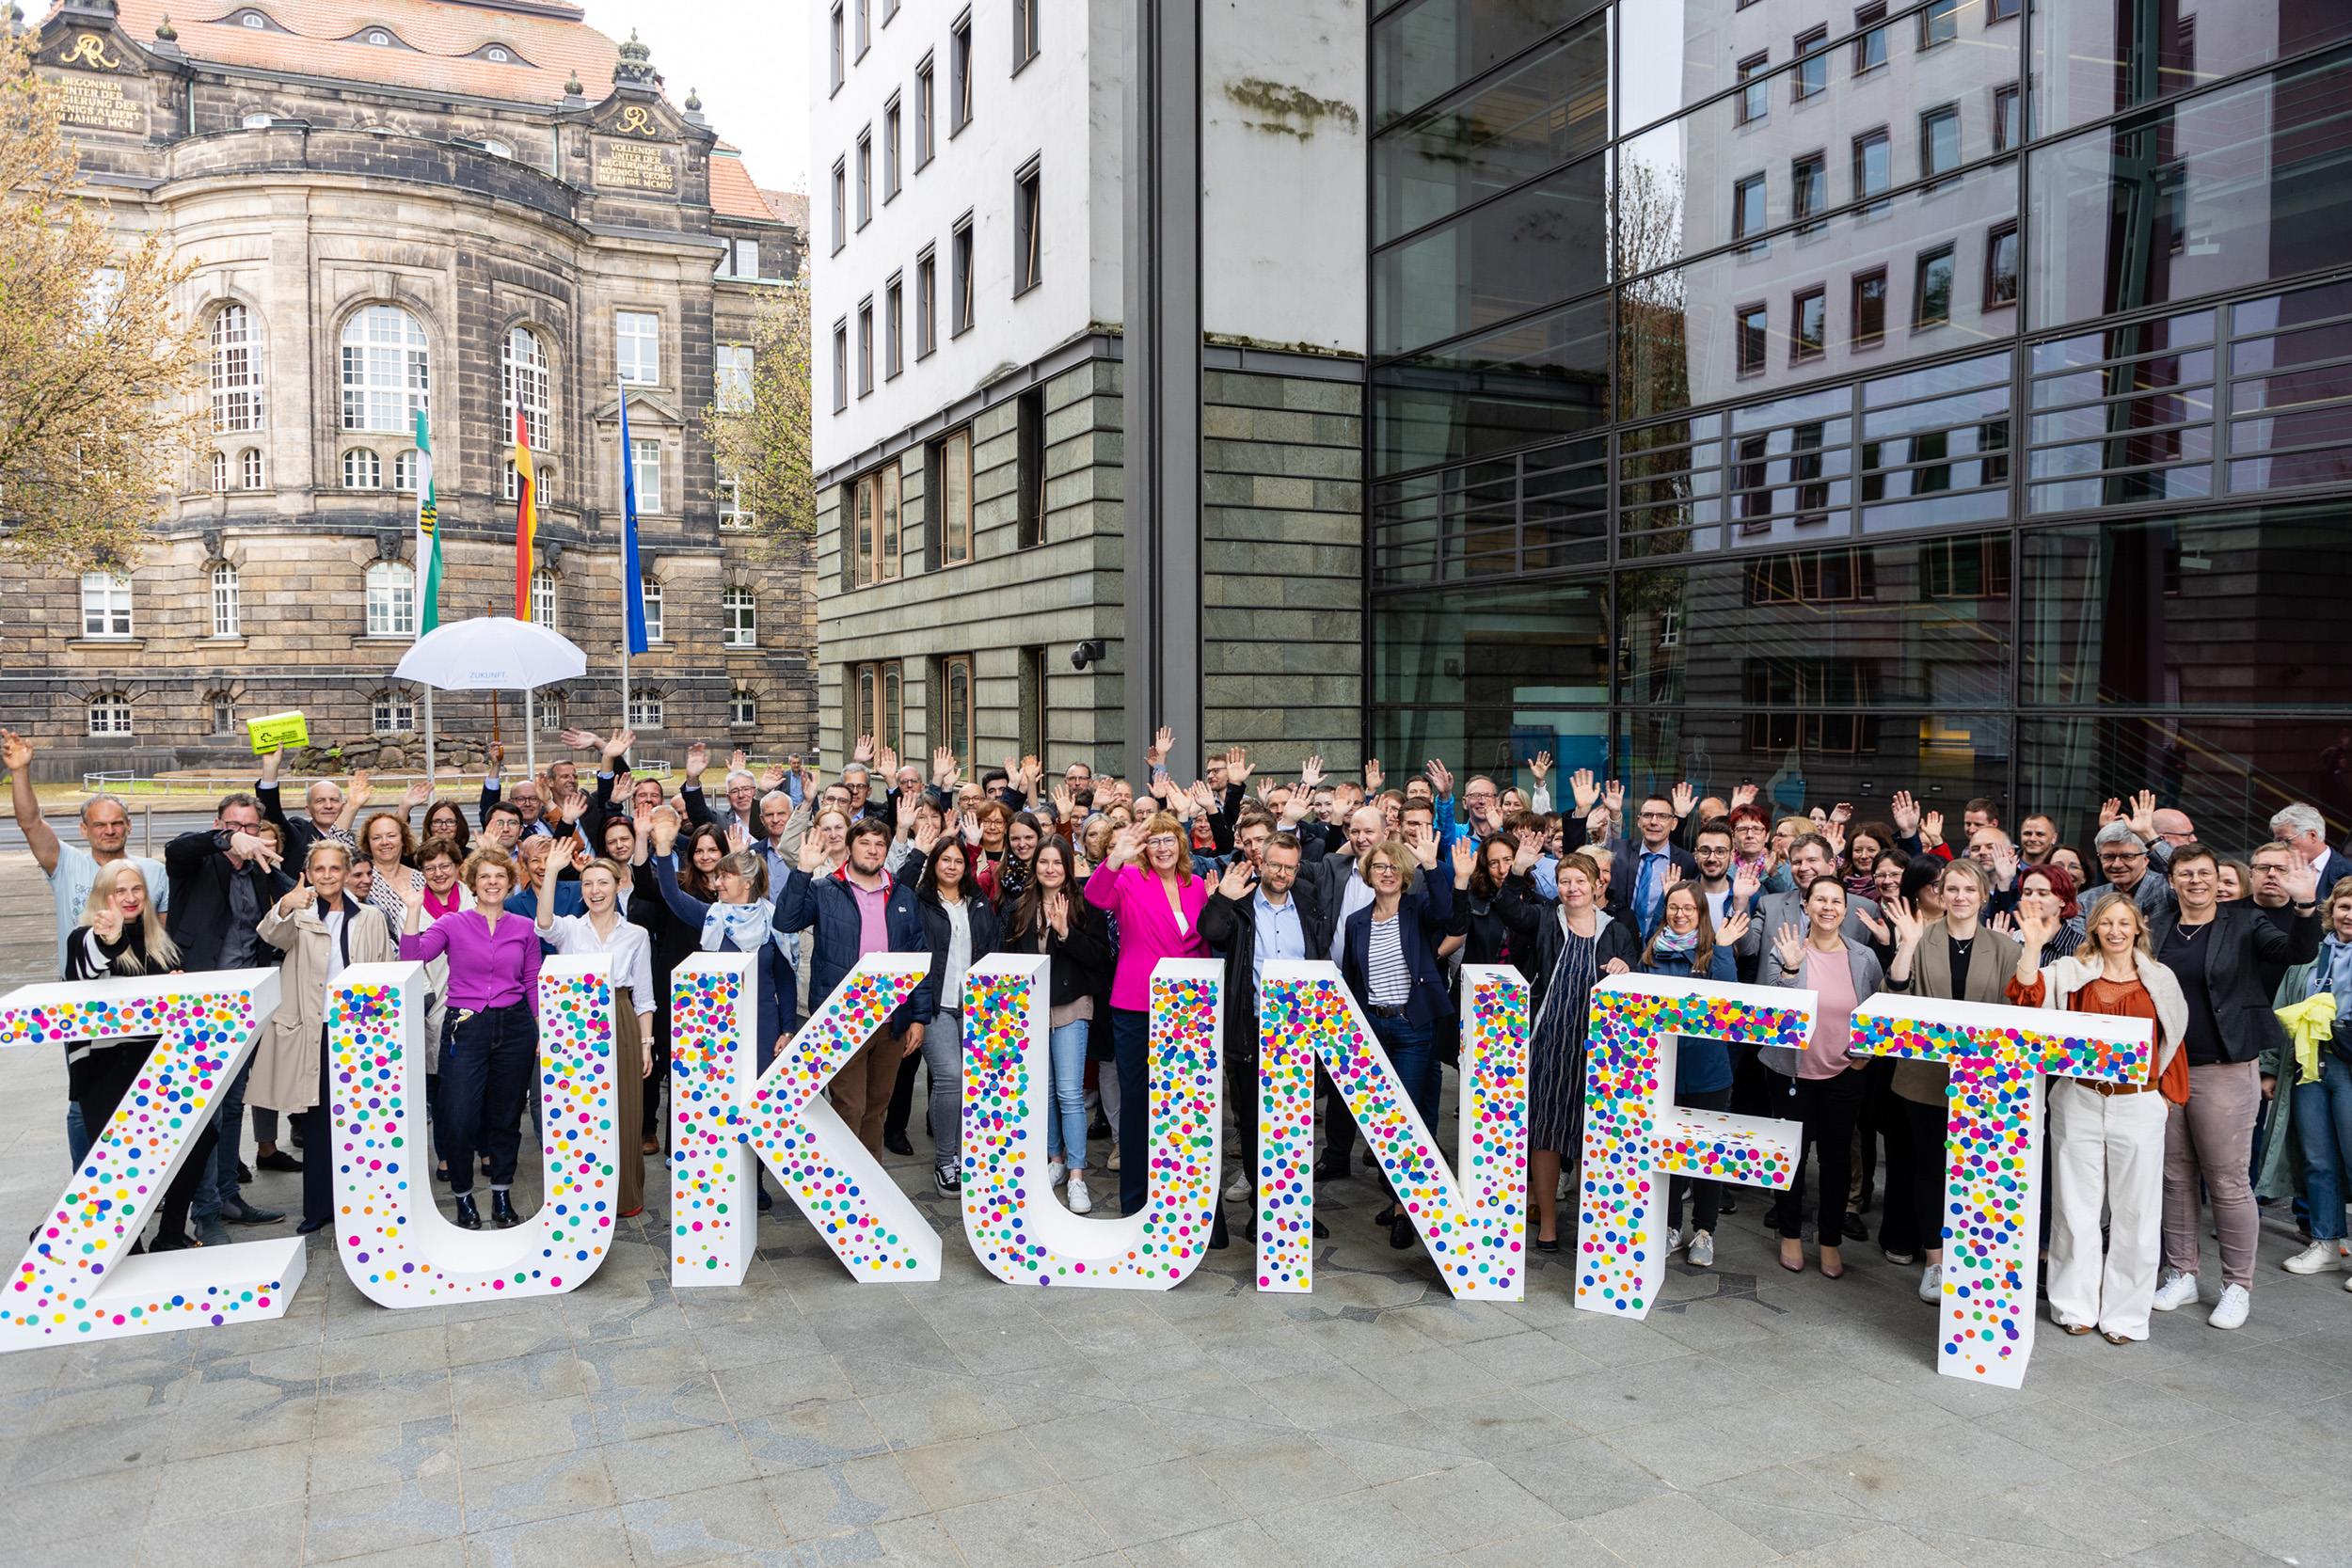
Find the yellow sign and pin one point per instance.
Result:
(90, 47)
(278, 732)
(634, 121)
(630, 167)
(100, 103)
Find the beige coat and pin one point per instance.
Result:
(286, 1065)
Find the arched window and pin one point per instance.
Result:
(362, 470)
(225, 608)
(393, 712)
(496, 148)
(742, 707)
(256, 122)
(525, 365)
(111, 714)
(645, 711)
(236, 369)
(220, 472)
(404, 472)
(543, 599)
(650, 591)
(224, 709)
(384, 369)
(738, 618)
(392, 600)
(249, 468)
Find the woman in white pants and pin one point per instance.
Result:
(2107, 1138)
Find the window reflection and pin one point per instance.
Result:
(2094, 59)
(1506, 645)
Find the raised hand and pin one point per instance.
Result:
(1466, 860)
(250, 846)
(1523, 859)
(1235, 884)
(1426, 852)
(1054, 907)
(1163, 742)
(697, 759)
(1906, 810)
(108, 922)
(1031, 771)
(1311, 774)
(1065, 803)
(1834, 831)
(2302, 883)
(16, 753)
(970, 823)
(2112, 810)
(1744, 881)
(864, 750)
(739, 762)
(661, 835)
(1905, 920)
(575, 806)
(1440, 778)
(1372, 775)
(2035, 932)
(361, 790)
(580, 740)
(297, 896)
(1237, 766)
(1684, 799)
(903, 808)
(1743, 795)
(1841, 813)
(812, 853)
(618, 745)
(1732, 929)
(926, 835)
(1597, 824)
(1204, 796)
(416, 794)
(1931, 829)
(1539, 764)
(1789, 942)
(738, 837)
(770, 777)
(497, 754)
(1587, 791)
(1613, 794)
(2144, 815)
(1873, 923)
(411, 890)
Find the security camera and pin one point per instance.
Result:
(1088, 652)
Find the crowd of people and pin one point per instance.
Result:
(2242, 963)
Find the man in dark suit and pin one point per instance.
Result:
(1639, 872)
(2305, 831)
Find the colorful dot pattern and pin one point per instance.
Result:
(396, 1246)
(77, 1281)
(727, 1120)
(1476, 1231)
(1635, 1136)
(1993, 1148)
(1015, 1226)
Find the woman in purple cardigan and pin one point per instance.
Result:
(1157, 905)
(494, 1047)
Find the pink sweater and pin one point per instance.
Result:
(1147, 927)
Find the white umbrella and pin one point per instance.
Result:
(493, 653)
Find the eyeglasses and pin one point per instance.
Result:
(1165, 841)
(2106, 855)
(1655, 816)
(1383, 869)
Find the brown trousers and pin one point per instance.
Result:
(628, 1098)
(861, 1090)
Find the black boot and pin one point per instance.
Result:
(502, 1211)
(1218, 1240)
(467, 1215)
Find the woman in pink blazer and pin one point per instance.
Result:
(1157, 907)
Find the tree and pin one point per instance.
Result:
(762, 441)
(97, 366)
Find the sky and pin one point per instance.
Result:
(747, 58)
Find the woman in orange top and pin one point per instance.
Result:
(2108, 1139)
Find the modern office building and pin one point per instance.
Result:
(468, 208)
(969, 276)
(1949, 396)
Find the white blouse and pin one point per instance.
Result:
(631, 950)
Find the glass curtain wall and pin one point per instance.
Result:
(1952, 396)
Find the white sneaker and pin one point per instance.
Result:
(1056, 1171)
(1240, 1187)
(2229, 1311)
(2318, 1258)
(1674, 1243)
(1702, 1250)
(1079, 1202)
(1114, 1156)
(2175, 1291)
(1932, 1283)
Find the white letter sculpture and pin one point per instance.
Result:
(730, 1117)
(1992, 1144)
(396, 1246)
(1636, 1137)
(1017, 1228)
(77, 1283)
(1477, 1231)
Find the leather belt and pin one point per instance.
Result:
(1379, 1011)
(2100, 1087)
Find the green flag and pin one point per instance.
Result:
(428, 535)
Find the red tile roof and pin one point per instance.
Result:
(788, 206)
(322, 39)
(732, 191)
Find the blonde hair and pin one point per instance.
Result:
(325, 846)
(1397, 853)
(488, 856)
(2088, 951)
(160, 950)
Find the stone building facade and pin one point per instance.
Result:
(462, 206)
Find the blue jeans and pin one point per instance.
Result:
(1066, 1122)
(1412, 1050)
(225, 1159)
(2323, 1124)
(77, 1132)
(487, 1071)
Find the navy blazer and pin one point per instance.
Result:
(1624, 866)
(831, 907)
(771, 975)
(1428, 918)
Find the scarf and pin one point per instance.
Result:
(748, 924)
(2333, 973)
(437, 906)
(1677, 945)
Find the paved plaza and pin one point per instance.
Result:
(805, 1420)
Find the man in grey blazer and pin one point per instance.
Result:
(1809, 857)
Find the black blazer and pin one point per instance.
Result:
(1484, 925)
(1082, 961)
(1625, 865)
(1230, 927)
(2242, 941)
(199, 870)
(1428, 917)
(987, 935)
